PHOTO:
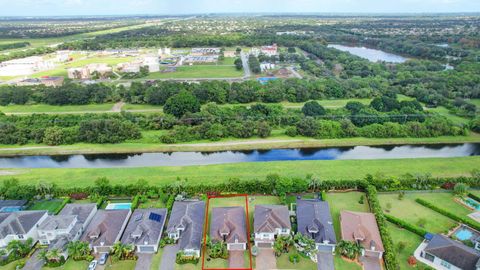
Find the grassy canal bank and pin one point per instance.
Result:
(149, 143)
(324, 169)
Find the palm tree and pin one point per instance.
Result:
(53, 255)
(78, 249)
(20, 249)
(43, 255)
(349, 249)
(122, 251)
(313, 182)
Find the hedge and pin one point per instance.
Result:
(64, 202)
(473, 196)
(135, 202)
(466, 221)
(402, 224)
(390, 255)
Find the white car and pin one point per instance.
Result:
(92, 265)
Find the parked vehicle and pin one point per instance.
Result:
(103, 259)
(92, 265)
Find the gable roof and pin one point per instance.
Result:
(188, 216)
(21, 222)
(60, 222)
(268, 218)
(81, 210)
(362, 227)
(453, 252)
(11, 203)
(105, 227)
(145, 227)
(230, 221)
(314, 220)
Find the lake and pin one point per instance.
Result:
(372, 55)
(206, 158)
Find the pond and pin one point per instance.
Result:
(222, 157)
(372, 55)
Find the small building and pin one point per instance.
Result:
(269, 50)
(47, 81)
(315, 221)
(362, 228)
(270, 221)
(68, 225)
(229, 53)
(144, 229)
(20, 226)
(228, 224)
(86, 72)
(267, 66)
(12, 205)
(204, 51)
(105, 229)
(186, 224)
(152, 63)
(443, 253)
(164, 52)
(133, 67)
(24, 66)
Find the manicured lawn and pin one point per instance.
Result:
(345, 201)
(11, 266)
(341, 263)
(44, 108)
(304, 264)
(328, 170)
(121, 265)
(152, 204)
(411, 211)
(410, 240)
(70, 265)
(52, 206)
(199, 71)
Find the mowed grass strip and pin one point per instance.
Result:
(214, 174)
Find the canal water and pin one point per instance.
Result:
(206, 158)
(370, 54)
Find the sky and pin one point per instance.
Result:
(171, 7)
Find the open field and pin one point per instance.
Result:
(335, 169)
(198, 71)
(44, 108)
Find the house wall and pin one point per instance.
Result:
(33, 233)
(438, 264)
(192, 252)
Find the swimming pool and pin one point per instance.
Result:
(11, 209)
(463, 234)
(265, 80)
(472, 203)
(118, 206)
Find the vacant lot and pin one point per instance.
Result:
(199, 71)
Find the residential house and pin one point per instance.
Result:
(144, 229)
(229, 224)
(269, 50)
(57, 231)
(267, 66)
(362, 228)
(20, 225)
(12, 205)
(105, 229)
(186, 226)
(315, 221)
(86, 72)
(442, 253)
(270, 221)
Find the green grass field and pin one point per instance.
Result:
(52, 206)
(334, 169)
(44, 108)
(199, 71)
(445, 112)
(70, 265)
(411, 242)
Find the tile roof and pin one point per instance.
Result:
(230, 221)
(314, 219)
(188, 216)
(268, 218)
(6, 203)
(145, 228)
(358, 226)
(105, 227)
(453, 252)
(19, 222)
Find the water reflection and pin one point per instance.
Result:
(205, 158)
(370, 54)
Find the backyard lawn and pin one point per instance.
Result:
(70, 265)
(417, 214)
(410, 242)
(52, 205)
(152, 203)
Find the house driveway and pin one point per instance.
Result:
(144, 261)
(266, 259)
(34, 263)
(371, 263)
(325, 261)
(168, 257)
(236, 259)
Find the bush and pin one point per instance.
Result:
(294, 258)
(181, 258)
(79, 196)
(135, 202)
(407, 226)
(466, 221)
(291, 131)
(473, 196)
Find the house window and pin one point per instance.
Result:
(284, 230)
(20, 236)
(429, 257)
(446, 264)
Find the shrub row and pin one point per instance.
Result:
(402, 224)
(390, 257)
(449, 214)
(64, 202)
(473, 196)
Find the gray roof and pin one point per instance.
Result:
(59, 222)
(19, 222)
(5, 203)
(314, 220)
(268, 218)
(230, 221)
(106, 227)
(81, 210)
(189, 216)
(453, 252)
(145, 228)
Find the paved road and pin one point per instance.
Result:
(168, 257)
(246, 67)
(34, 263)
(325, 261)
(266, 259)
(144, 261)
